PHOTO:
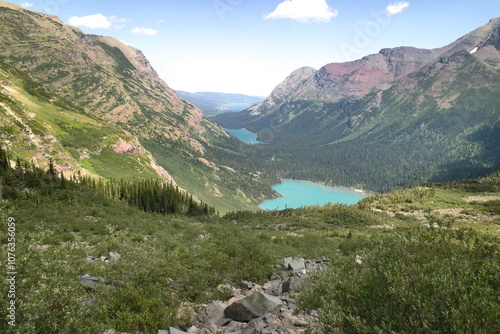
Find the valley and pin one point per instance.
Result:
(166, 268)
(402, 116)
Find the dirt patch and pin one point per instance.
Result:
(482, 198)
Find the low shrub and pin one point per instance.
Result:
(434, 280)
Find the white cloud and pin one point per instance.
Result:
(91, 21)
(144, 31)
(397, 7)
(160, 21)
(98, 21)
(26, 5)
(303, 11)
(115, 19)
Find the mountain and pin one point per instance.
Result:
(400, 116)
(211, 103)
(114, 85)
(38, 126)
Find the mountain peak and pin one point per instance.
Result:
(483, 42)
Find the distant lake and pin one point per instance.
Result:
(235, 107)
(302, 193)
(245, 136)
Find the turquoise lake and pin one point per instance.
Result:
(302, 193)
(245, 136)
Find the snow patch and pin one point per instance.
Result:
(474, 50)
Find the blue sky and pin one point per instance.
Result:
(250, 46)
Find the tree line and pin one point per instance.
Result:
(150, 195)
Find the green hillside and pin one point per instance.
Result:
(437, 238)
(39, 126)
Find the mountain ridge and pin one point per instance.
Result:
(400, 98)
(116, 84)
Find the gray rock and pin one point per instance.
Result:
(92, 282)
(193, 330)
(233, 326)
(246, 285)
(256, 326)
(294, 264)
(213, 313)
(273, 288)
(292, 284)
(253, 306)
(174, 330)
(162, 331)
(113, 256)
(89, 259)
(267, 285)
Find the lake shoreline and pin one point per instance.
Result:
(301, 193)
(244, 135)
(356, 190)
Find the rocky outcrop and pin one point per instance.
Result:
(254, 308)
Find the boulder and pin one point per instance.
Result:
(273, 288)
(252, 307)
(292, 284)
(193, 330)
(92, 282)
(113, 256)
(246, 285)
(213, 313)
(294, 264)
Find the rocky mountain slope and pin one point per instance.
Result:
(39, 127)
(377, 72)
(116, 85)
(401, 108)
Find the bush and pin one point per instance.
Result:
(437, 280)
